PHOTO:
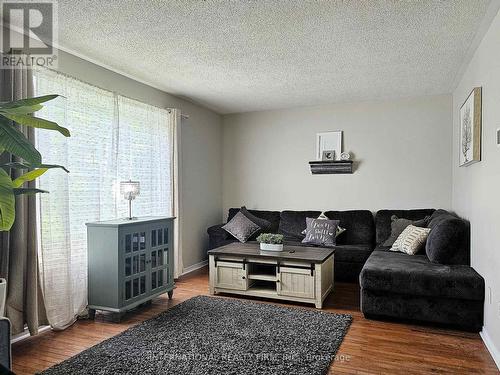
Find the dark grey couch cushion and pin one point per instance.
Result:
(292, 223)
(383, 220)
(415, 275)
(457, 313)
(448, 241)
(352, 253)
(217, 235)
(359, 225)
(344, 253)
(272, 216)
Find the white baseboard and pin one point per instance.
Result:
(194, 267)
(495, 353)
(26, 335)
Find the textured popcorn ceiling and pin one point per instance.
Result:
(236, 56)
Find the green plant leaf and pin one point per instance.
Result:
(27, 102)
(22, 110)
(29, 176)
(25, 165)
(13, 141)
(36, 122)
(7, 202)
(29, 191)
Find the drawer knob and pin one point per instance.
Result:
(243, 277)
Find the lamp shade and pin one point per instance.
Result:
(130, 189)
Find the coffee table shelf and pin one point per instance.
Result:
(262, 277)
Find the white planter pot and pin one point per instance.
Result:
(3, 295)
(271, 246)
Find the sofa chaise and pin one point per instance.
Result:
(411, 287)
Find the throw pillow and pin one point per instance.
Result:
(411, 240)
(339, 231)
(320, 232)
(322, 216)
(262, 223)
(448, 243)
(241, 227)
(398, 226)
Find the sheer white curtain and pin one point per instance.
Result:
(176, 187)
(144, 155)
(112, 139)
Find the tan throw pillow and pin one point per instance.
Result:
(411, 240)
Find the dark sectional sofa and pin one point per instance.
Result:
(394, 285)
(354, 246)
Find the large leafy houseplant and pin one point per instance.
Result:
(28, 158)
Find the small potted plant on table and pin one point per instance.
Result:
(270, 242)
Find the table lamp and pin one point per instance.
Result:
(130, 189)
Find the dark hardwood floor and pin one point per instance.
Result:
(370, 347)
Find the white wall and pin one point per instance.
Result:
(201, 136)
(403, 148)
(476, 188)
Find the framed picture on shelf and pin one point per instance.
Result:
(329, 141)
(470, 129)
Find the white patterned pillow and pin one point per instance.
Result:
(411, 240)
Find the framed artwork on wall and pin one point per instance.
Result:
(470, 129)
(329, 141)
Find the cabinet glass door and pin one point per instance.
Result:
(159, 255)
(135, 284)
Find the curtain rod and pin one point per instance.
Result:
(183, 115)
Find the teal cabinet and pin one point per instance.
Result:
(129, 262)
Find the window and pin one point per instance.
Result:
(113, 138)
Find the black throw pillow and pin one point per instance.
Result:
(398, 225)
(447, 240)
(262, 223)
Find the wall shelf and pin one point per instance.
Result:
(331, 167)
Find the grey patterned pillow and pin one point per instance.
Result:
(322, 216)
(321, 232)
(241, 227)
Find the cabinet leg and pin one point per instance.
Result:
(117, 317)
(319, 304)
(91, 314)
(170, 294)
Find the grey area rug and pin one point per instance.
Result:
(211, 335)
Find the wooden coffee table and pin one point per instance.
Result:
(300, 274)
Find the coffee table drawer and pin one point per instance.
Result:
(295, 282)
(229, 275)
